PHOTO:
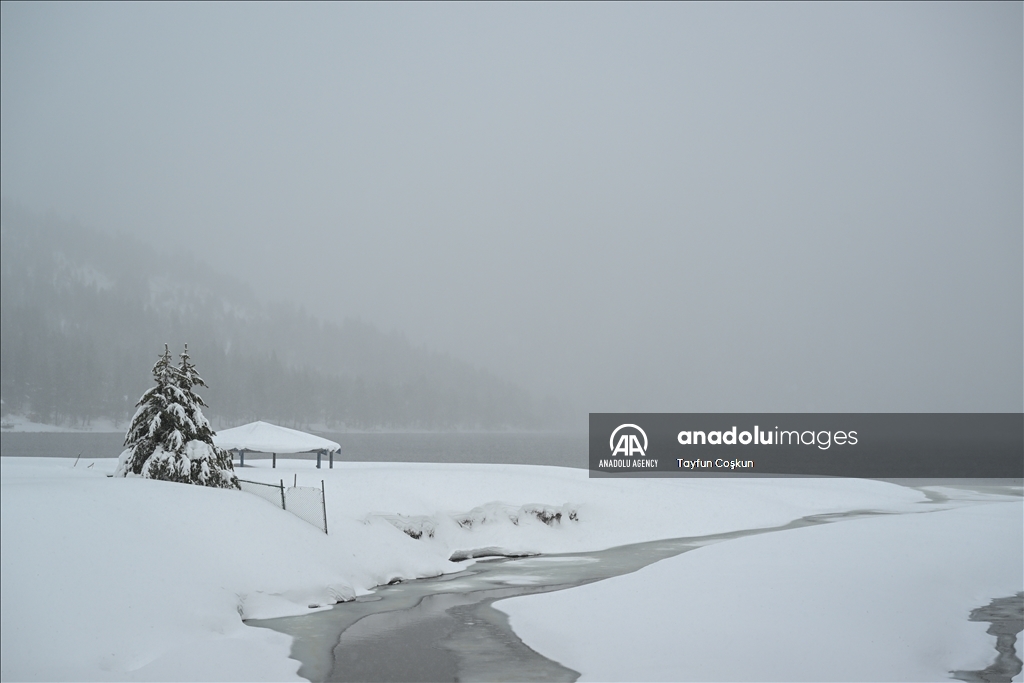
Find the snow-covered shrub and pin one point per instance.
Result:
(169, 438)
(413, 526)
(501, 512)
(550, 515)
(490, 514)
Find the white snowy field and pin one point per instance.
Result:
(877, 599)
(132, 579)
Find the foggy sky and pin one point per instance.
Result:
(632, 207)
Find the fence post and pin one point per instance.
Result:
(323, 501)
(283, 506)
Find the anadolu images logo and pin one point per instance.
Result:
(628, 444)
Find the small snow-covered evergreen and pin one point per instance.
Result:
(169, 437)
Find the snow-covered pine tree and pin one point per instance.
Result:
(169, 438)
(211, 465)
(188, 379)
(148, 427)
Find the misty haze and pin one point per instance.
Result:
(416, 251)
(657, 208)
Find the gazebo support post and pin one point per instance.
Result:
(319, 455)
(241, 455)
(332, 460)
(274, 461)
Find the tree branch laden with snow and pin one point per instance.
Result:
(169, 438)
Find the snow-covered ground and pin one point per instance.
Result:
(132, 579)
(878, 599)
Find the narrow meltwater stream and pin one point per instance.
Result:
(445, 628)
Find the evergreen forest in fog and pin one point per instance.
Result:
(85, 314)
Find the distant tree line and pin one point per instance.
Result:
(83, 316)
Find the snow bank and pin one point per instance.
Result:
(134, 579)
(878, 599)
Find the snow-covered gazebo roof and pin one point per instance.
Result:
(263, 437)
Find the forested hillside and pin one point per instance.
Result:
(84, 315)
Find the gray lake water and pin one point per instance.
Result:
(543, 448)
